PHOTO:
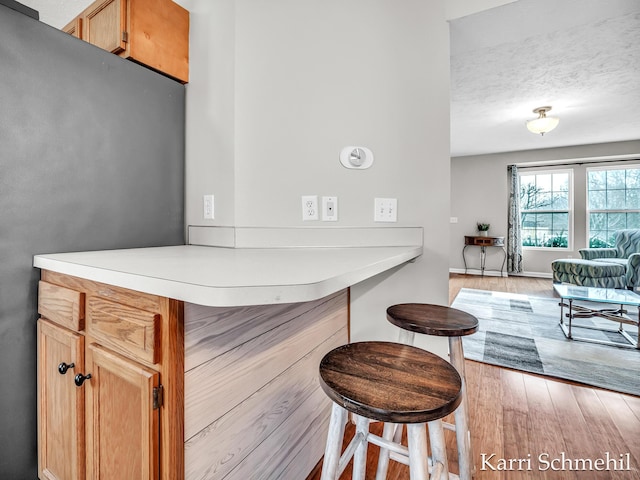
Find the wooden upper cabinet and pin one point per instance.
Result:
(74, 28)
(105, 25)
(154, 33)
(61, 454)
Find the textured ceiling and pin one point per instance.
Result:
(580, 56)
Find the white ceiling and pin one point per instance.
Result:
(580, 56)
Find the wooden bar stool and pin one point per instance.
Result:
(448, 322)
(388, 382)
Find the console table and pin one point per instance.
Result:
(483, 243)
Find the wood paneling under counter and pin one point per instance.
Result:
(255, 403)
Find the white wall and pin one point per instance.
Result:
(462, 8)
(479, 192)
(210, 111)
(278, 88)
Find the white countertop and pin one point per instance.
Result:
(225, 277)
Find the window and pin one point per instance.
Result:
(545, 208)
(613, 202)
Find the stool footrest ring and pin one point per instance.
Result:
(400, 454)
(449, 426)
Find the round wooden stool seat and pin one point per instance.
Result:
(432, 319)
(390, 382)
(438, 320)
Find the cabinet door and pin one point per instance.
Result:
(105, 25)
(122, 423)
(60, 404)
(74, 28)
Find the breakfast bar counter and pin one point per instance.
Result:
(215, 276)
(192, 361)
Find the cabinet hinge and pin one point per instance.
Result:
(158, 397)
(125, 36)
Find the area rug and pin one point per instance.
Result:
(522, 332)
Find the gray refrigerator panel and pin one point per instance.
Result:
(91, 158)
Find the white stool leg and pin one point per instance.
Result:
(406, 337)
(461, 415)
(417, 437)
(334, 443)
(360, 455)
(383, 458)
(397, 437)
(438, 447)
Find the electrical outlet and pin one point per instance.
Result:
(329, 209)
(385, 210)
(208, 207)
(309, 207)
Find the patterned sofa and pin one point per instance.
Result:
(616, 267)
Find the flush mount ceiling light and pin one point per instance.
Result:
(542, 124)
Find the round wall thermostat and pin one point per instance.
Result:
(356, 157)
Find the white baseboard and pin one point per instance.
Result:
(533, 274)
(474, 271)
(493, 273)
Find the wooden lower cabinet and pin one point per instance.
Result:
(116, 411)
(122, 421)
(170, 390)
(61, 450)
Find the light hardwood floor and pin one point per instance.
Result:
(515, 415)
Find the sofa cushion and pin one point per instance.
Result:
(620, 261)
(590, 268)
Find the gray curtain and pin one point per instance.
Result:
(514, 237)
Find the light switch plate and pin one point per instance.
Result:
(208, 207)
(385, 210)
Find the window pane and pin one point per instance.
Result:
(616, 221)
(527, 191)
(542, 201)
(633, 199)
(560, 221)
(543, 221)
(597, 180)
(598, 239)
(615, 199)
(633, 178)
(597, 221)
(560, 201)
(597, 200)
(560, 182)
(545, 200)
(633, 220)
(543, 182)
(615, 179)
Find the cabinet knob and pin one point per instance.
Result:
(80, 378)
(63, 367)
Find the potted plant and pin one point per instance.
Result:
(483, 228)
